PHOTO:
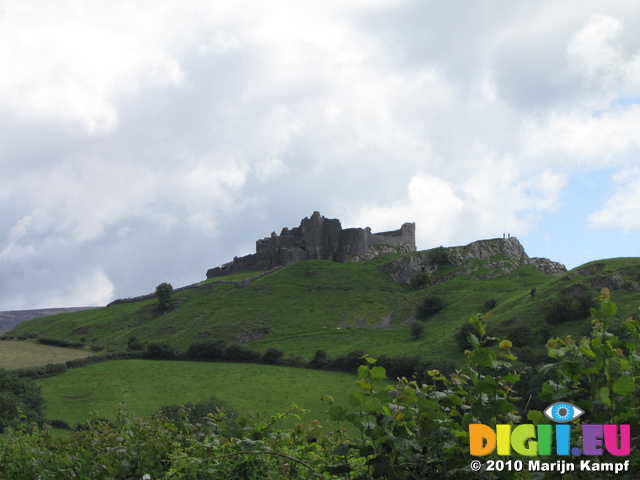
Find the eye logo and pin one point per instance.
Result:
(563, 412)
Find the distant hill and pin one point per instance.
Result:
(366, 306)
(10, 319)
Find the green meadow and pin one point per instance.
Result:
(147, 385)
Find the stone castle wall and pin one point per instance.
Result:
(317, 238)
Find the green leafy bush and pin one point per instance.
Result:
(490, 304)
(21, 401)
(240, 353)
(161, 351)
(197, 412)
(59, 342)
(419, 280)
(439, 256)
(272, 356)
(567, 307)
(430, 305)
(417, 329)
(207, 350)
(320, 359)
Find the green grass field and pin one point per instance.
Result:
(147, 385)
(22, 354)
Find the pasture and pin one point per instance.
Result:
(23, 354)
(146, 385)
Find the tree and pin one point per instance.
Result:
(164, 292)
(20, 401)
(417, 329)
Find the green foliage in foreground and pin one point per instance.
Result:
(20, 399)
(404, 431)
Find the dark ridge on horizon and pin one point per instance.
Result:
(11, 318)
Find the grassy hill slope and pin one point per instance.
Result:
(343, 307)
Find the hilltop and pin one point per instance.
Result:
(365, 305)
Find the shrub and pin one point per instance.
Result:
(320, 359)
(419, 280)
(417, 329)
(462, 334)
(430, 305)
(134, 344)
(197, 412)
(566, 308)
(59, 342)
(207, 350)
(490, 304)
(439, 256)
(161, 351)
(239, 353)
(348, 362)
(272, 356)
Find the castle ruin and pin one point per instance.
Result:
(317, 238)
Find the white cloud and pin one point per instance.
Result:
(67, 61)
(133, 129)
(622, 209)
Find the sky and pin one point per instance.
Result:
(144, 142)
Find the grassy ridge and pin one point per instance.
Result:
(147, 385)
(340, 307)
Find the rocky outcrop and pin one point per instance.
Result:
(497, 257)
(320, 238)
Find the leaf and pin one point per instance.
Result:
(586, 350)
(477, 323)
(536, 417)
(484, 357)
(378, 373)
(609, 309)
(512, 378)
(337, 413)
(604, 396)
(338, 469)
(473, 340)
(624, 385)
(341, 450)
(505, 344)
(356, 398)
(486, 385)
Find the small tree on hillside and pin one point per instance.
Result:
(417, 329)
(164, 292)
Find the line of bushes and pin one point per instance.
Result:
(218, 350)
(59, 342)
(55, 369)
